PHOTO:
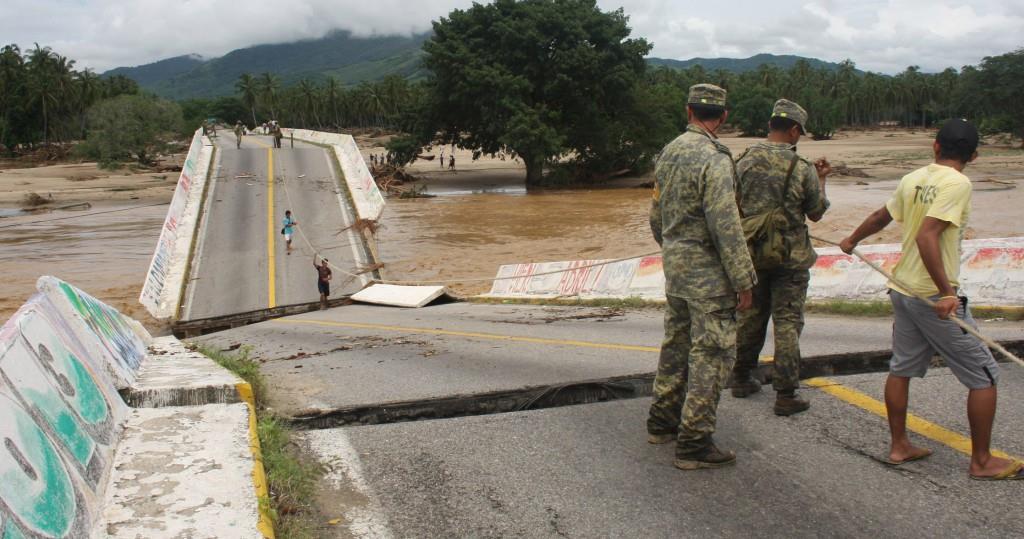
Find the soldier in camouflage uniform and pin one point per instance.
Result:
(708, 275)
(780, 292)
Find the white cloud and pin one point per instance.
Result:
(881, 35)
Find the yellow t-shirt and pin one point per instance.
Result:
(933, 191)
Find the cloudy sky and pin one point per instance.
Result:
(879, 35)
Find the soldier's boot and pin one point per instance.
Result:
(658, 439)
(709, 456)
(744, 385)
(787, 403)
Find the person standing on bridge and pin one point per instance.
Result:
(239, 131)
(278, 135)
(289, 224)
(451, 161)
(933, 203)
(777, 184)
(708, 277)
(323, 281)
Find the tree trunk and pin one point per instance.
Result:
(534, 169)
(253, 109)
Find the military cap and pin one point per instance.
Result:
(706, 94)
(787, 109)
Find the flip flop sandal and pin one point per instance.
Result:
(1012, 472)
(925, 454)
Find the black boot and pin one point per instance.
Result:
(708, 456)
(744, 385)
(787, 403)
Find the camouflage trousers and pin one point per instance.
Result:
(696, 355)
(779, 294)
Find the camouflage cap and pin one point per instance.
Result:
(788, 109)
(706, 94)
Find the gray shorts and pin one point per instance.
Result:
(918, 334)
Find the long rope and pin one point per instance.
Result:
(315, 252)
(963, 325)
(82, 215)
(492, 279)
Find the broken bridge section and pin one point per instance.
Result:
(241, 270)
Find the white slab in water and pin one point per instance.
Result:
(399, 296)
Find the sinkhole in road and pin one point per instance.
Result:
(519, 400)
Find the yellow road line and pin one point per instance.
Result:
(271, 230)
(259, 476)
(473, 335)
(923, 427)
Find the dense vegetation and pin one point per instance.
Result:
(44, 99)
(339, 55)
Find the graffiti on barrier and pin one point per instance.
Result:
(59, 420)
(992, 273)
(155, 289)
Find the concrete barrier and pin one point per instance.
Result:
(992, 274)
(161, 292)
(77, 462)
(366, 196)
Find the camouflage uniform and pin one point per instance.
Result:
(695, 219)
(781, 292)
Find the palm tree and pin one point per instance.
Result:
(248, 89)
(87, 91)
(309, 98)
(331, 93)
(268, 86)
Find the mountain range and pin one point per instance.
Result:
(349, 59)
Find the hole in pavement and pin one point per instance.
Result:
(534, 398)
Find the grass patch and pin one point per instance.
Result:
(851, 308)
(291, 480)
(632, 302)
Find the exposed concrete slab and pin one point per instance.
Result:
(183, 472)
(365, 355)
(586, 471)
(399, 296)
(173, 375)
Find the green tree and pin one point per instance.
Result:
(538, 78)
(247, 91)
(131, 127)
(1000, 85)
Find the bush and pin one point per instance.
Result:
(130, 128)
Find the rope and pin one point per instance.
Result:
(963, 325)
(284, 184)
(83, 215)
(492, 279)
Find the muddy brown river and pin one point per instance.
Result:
(463, 236)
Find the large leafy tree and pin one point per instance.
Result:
(540, 79)
(131, 127)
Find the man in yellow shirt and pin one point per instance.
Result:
(933, 204)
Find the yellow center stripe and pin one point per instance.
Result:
(271, 231)
(915, 424)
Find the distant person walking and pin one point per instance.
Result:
(239, 131)
(278, 135)
(451, 162)
(323, 281)
(442, 158)
(288, 229)
(264, 126)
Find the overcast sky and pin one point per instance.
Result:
(879, 35)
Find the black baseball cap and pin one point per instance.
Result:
(958, 133)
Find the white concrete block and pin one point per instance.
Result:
(173, 375)
(399, 296)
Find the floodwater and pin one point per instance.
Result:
(105, 255)
(453, 237)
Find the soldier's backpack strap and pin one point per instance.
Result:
(785, 185)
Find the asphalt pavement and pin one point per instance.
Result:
(241, 264)
(586, 470)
